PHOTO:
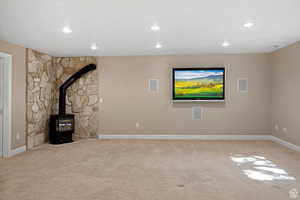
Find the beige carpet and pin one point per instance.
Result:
(152, 170)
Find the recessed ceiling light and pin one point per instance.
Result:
(248, 24)
(94, 47)
(226, 44)
(155, 27)
(158, 45)
(66, 30)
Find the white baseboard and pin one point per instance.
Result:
(16, 151)
(204, 137)
(187, 137)
(285, 143)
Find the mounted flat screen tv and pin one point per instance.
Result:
(198, 84)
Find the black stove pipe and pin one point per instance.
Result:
(63, 88)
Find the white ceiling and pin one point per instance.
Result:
(122, 27)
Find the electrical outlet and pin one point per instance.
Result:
(276, 127)
(101, 100)
(137, 125)
(284, 130)
(18, 136)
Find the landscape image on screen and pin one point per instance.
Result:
(199, 84)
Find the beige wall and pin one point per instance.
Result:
(18, 87)
(286, 93)
(123, 88)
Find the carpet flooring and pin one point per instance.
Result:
(152, 170)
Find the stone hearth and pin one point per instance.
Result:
(45, 74)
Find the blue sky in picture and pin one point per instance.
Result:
(189, 74)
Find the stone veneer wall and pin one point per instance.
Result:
(40, 96)
(45, 74)
(82, 96)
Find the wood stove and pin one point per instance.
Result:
(62, 126)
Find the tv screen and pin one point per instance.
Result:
(199, 84)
